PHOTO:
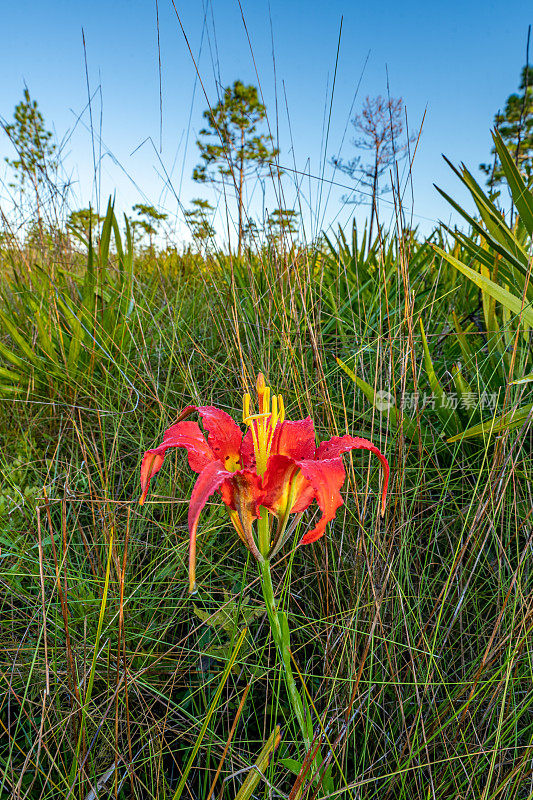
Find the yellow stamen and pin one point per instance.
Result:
(281, 408)
(250, 417)
(265, 401)
(263, 425)
(274, 416)
(245, 408)
(254, 437)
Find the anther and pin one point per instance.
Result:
(260, 384)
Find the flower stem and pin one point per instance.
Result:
(280, 634)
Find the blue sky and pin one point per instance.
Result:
(456, 61)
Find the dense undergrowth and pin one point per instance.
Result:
(411, 634)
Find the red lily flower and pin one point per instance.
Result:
(274, 466)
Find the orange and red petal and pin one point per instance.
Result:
(151, 463)
(279, 477)
(243, 486)
(209, 480)
(223, 436)
(338, 445)
(294, 439)
(241, 492)
(182, 434)
(247, 450)
(245, 494)
(326, 478)
(189, 436)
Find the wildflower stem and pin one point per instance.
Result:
(280, 634)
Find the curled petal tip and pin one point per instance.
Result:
(187, 411)
(386, 474)
(192, 564)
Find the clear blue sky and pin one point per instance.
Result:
(458, 60)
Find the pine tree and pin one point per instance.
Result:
(149, 222)
(282, 226)
(84, 222)
(31, 140)
(198, 220)
(515, 125)
(35, 162)
(237, 150)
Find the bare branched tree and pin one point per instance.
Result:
(380, 129)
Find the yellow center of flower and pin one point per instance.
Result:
(263, 424)
(233, 462)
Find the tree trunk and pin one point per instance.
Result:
(241, 184)
(374, 200)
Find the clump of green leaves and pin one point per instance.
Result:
(20, 487)
(500, 267)
(231, 615)
(57, 333)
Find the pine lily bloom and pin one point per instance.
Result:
(275, 467)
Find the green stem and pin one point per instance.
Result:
(280, 634)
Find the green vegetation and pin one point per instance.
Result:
(411, 635)
(282, 227)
